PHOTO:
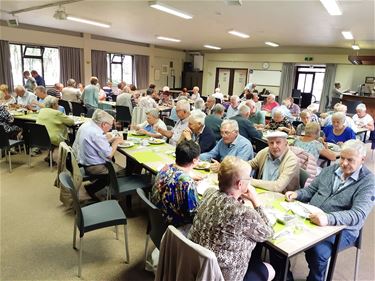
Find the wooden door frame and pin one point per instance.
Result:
(231, 77)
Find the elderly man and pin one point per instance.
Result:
(38, 79)
(345, 194)
(125, 99)
(41, 93)
(24, 98)
(210, 103)
(232, 143)
(270, 103)
(195, 95)
(247, 129)
(277, 166)
(199, 106)
(70, 92)
(183, 112)
(198, 132)
(215, 119)
(149, 127)
(90, 95)
(233, 107)
(30, 83)
(256, 117)
(93, 149)
(56, 90)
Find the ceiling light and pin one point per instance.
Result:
(92, 22)
(169, 10)
(355, 47)
(347, 35)
(168, 39)
(239, 34)
(272, 44)
(331, 7)
(212, 47)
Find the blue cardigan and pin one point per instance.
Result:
(348, 134)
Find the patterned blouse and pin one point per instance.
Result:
(229, 229)
(313, 147)
(174, 193)
(273, 125)
(6, 120)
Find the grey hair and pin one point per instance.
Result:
(305, 113)
(20, 88)
(199, 104)
(232, 123)
(234, 97)
(244, 109)
(50, 101)
(198, 116)
(71, 82)
(100, 116)
(339, 115)
(356, 145)
(211, 98)
(218, 108)
(153, 112)
(184, 105)
(250, 103)
(272, 96)
(312, 129)
(361, 107)
(40, 88)
(278, 111)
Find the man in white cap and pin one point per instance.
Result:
(276, 165)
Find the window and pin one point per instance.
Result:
(120, 68)
(45, 60)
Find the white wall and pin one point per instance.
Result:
(158, 56)
(351, 76)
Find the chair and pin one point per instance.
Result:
(296, 123)
(156, 225)
(182, 259)
(78, 109)
(139, 115)
(66, 106)
(169, 121)
(303, 176)
(123, 115)
(7, 144)
(37, 136)
(259, 144)
(92, 217)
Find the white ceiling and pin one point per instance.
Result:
(300, 23)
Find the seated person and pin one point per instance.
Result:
(247, 129)
(56, 90)
(210, 103)
(70, 92)
(270, 103)
(199, 132)
(166, 99)
(215, 119)
(233, 107)
(276, 166)
(293, 108)
(232, 235)
(313, 144)
(41, 93)
(337, 132)
(305, 118)
(199, 106)
(280, 122)
(345, 193)
(232, 143)
(93, 149)
(339, 107)
(147, 102)
(6, 121)
(24, 98)
(195, 95)
(174, 191)
(256, 116)
(5, 97)
(218, 94)
(183, 112)
(258, 103)
(363, 120)
(152, 123)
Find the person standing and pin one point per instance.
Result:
(38, 79)
(90, 95)
(30, 83)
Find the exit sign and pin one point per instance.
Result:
(309, 58)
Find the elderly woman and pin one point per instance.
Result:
(174, 191)
(5, 97)
(56, 122)
(152, 123)
(363, 119)
(305, 118)
(6, 121)
(310, 143)
(270, 103)
(232, 234)
(338, 132)
(280, 122)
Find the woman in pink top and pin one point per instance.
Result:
(270, 104)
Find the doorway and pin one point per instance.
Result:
(231, 80)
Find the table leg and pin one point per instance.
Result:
(332, 263)
(286, 268)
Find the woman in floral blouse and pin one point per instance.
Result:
(174, 191)
(280, 122)
(230, 229)
(6, 120)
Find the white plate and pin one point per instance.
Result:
(136, 133)
(301, 209)
(126, 144)
(202, 165)
(156, 141)
(334, 147)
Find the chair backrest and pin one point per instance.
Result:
(303, 176)
(66, 106)
(37, 135)
(182, 259)
(114, 97)
(259, 144)
(123, 114)
(67, 181)
(113, 183)
(78, 109)
(4, 140)
(169, 121)
(139, 115)
(156, 223)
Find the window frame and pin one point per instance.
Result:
(110, 58)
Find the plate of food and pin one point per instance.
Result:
(156, 141)
(301, 209)
(202, 165)
(126, 144)
(137, 133)
(334, 147)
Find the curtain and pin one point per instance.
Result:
(99, 66)
(328, 83)
(5, 65)
(70, 64)
(288, 74)
(141, 71)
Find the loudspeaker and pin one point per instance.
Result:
(188, 66)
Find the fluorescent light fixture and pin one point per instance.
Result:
(239, 34)
(212, 47)
(169, 10)
(168, 39)
(272, 44)
(332, 8)
(355, 47)
(347, 35)
(92, 22)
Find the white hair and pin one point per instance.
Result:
(234, 97)
(211, 98)
(184, 105)
(272, 96)
(100, 116)
(278, 111)
(232, 123)
(244, 109)
(165, 89)
(361, 107)
(355, 145)
(218, 108)
(198, 117)
(20, 88)
(50, 101)
(217, 90)
(339, 115)
(199, 104)
(153, 112)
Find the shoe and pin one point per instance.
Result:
(92, 194)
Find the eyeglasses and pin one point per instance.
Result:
(226, 133)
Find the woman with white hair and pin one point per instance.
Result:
(362, 119)
(152, 123)
(280, 122)
(337, 132)
(270, 103)
(218, 94)
(5, 97)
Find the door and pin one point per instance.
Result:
(222, 78)
(239, 81)
(231, 80)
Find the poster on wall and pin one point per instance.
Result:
(164, 69)
(157, 74)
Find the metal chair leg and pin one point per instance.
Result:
(146, 248)
(50, 160)
(80, 257)
(74, 235)
(24, 149)
(10, 161)
(356, 264)
(126, 244)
